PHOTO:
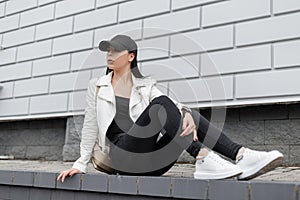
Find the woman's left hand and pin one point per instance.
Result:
(188, 126)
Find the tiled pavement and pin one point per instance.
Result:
(291, 174)
(36, 180)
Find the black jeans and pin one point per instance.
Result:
(141, 152)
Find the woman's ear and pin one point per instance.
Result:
(131, 57)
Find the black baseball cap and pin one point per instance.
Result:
(119, 43)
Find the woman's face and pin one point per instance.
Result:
(117, 60)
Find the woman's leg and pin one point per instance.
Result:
(144, 154)
(213, 138)
(142, 137)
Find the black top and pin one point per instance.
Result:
(122, 121)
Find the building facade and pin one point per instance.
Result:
(236, 61)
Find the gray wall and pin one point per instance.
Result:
(258, 127)
(203, 52)
(34, 139)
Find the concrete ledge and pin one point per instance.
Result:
(37, 185)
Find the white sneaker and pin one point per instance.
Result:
(254, 163)
(215, 167)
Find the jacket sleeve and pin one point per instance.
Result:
(155, 92)
(89, 130)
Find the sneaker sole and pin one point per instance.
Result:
(223, 175)
(264, 167)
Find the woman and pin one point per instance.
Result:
(145, 131)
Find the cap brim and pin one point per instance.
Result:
(104, 45)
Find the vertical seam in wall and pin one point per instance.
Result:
(95, 4)
(49, 82)
(170, 9)
(52, 43)
(234, 36)
(13, 90)
(16, 56)
(5, 9)
(272, 56)
(142, 30)
(73, 24)
(34, 34)
(31, 71)
(169, 46)
(233, 87)
(199, 65)
(70, 62)
(54, 17)
(29, 101)
(93, 39)
(118, 9)
(271, 8)
(19, 24)
(201, 17)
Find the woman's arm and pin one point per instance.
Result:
(88, 135)
(89, 130)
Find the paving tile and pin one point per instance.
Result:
(71, 183)
(189, 188)
(20, 193)
(122, 184)
(89, 196)
(96, 183)
(5, 191)
(272, 190)
(40, 194)
(44, 179)
(23, 178)
(230, 189)
(154, 186)
(63, 195)
(6, 177)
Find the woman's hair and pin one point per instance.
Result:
(133, 66)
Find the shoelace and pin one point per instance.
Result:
(220, 160)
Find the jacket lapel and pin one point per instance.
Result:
(106, 91)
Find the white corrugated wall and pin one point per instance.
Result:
(202, 52)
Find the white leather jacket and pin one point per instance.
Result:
(97, 119)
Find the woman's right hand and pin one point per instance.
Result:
(69, 172)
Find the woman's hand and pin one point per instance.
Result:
(189, 126)
(69, 172)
